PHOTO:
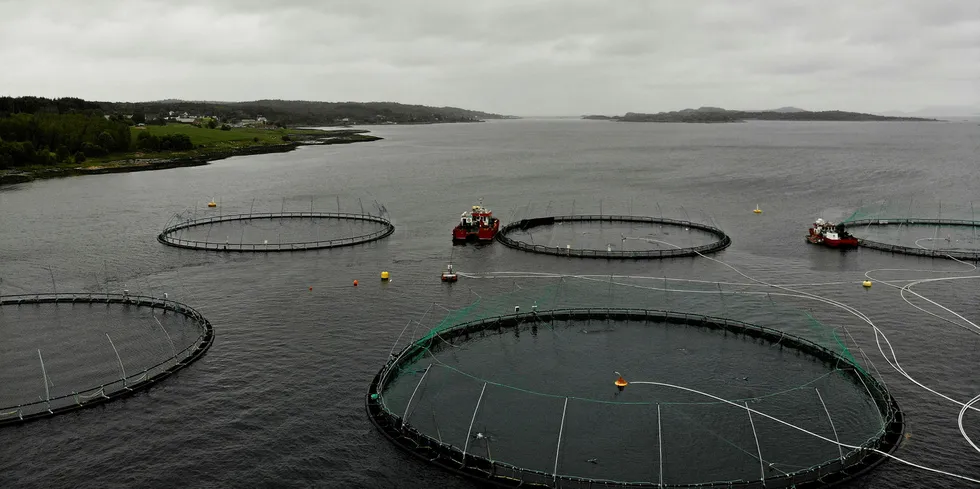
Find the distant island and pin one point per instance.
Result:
(719, 115)
(42, 137)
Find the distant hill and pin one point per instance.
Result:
(786, 110)
(718, 115)
(286, 112)
(701, 110)
(938, 111)
(299, 112)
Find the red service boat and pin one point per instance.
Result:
(477, 224)
(830, 234)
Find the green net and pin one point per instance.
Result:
(921, 227)
(913, 208)
(493, 385)
(746, 304)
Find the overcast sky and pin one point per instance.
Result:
(522, 57)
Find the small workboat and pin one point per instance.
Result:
(477, 224)
(830, 234)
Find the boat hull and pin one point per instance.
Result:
(841, 243)
(481, 234)
(815, 237)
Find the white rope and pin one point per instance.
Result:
(804, 430)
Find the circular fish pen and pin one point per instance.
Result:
(63, 352)
(263, 231)
(528, 399)
(624, 237)
(920, 237)
(919, 228)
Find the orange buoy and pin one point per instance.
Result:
(620, 382)
(355, 283)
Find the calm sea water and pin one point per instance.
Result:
(278, 400)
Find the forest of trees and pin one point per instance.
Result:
(33, 105)
(42, 131)
(295, 112)
(45, 138)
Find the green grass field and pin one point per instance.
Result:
(204, 140)
(216, 138)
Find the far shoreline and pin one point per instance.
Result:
(198, 157)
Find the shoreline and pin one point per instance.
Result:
(129, 165)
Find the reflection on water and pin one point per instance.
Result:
(279, 395)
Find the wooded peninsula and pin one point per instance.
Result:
(42, 137)
(719, 115)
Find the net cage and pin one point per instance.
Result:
(612, 229)
(518, 389)
(247, 226)
(921, 227)
(67, 351)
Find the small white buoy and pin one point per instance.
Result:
(517, 308)
(265, 241)
(608, 247)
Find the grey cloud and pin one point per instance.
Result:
(513, 56)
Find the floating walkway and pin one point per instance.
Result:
(959, 254)
(169, 236)
(852, 462)
(722, 242)
(124, 386)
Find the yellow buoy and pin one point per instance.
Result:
(384, 275)
(866, 283)
(757, 209)
(212, 204)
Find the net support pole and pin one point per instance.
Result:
(47, 391)
(54, 286)
(561, 430)
(840, 451)
(758, 449)
(407, 406)
(466, 444)
(871, 396)
(880, 378)
(172, 347)
(973, 217)
(660, 446)
(121, 368)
